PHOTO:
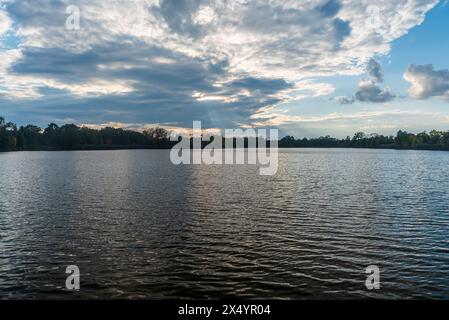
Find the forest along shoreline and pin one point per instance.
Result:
(73, 137)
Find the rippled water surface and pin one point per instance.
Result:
(140, 227)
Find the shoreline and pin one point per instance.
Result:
(168, 147)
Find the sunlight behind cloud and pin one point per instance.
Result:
(185, 55)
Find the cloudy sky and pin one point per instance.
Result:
(310, 67)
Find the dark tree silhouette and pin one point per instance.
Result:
(72, 137)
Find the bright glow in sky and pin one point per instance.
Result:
(310, 68)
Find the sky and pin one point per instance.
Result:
(309, 68)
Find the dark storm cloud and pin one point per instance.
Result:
(163, 81)
(32, 13)
(374, 69)
(162, 91)
(178, 14)
(321, 22)
(264, 86)
(369, 90)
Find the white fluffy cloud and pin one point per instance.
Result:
(427, 82)
(5, 22)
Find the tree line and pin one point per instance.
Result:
(434, 140)
(71, 136)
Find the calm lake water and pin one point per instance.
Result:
(139, 227)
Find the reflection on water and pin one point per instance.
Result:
(139, 227)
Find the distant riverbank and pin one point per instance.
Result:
(73, 137)
(167, 147)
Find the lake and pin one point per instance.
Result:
(139, 227)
